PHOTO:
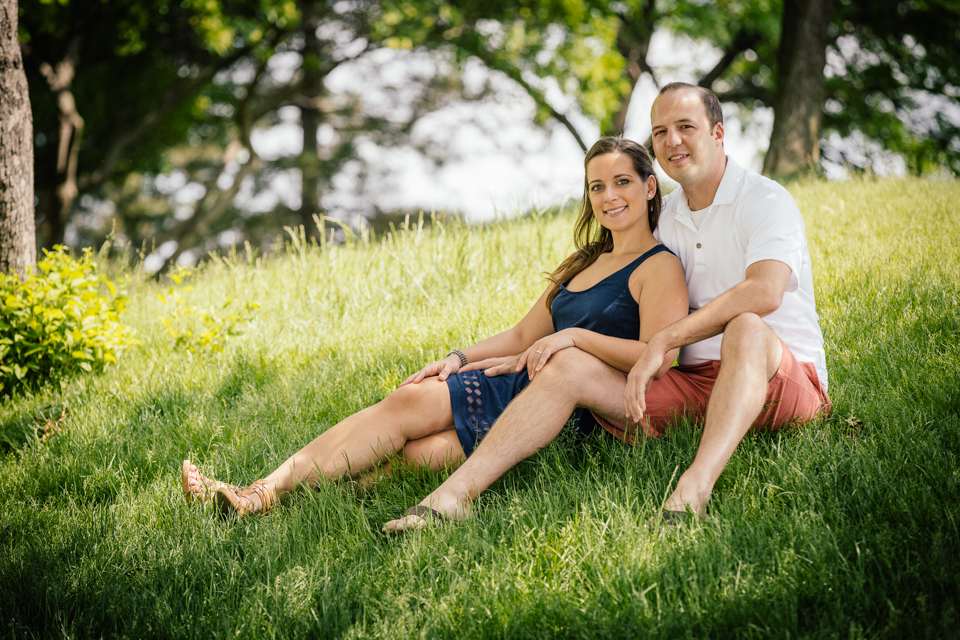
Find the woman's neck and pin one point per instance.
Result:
(632, 242)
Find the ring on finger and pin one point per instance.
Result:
(540, 352)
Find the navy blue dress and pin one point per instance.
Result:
(606, 308)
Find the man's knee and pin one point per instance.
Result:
(748, 335)
(569, 367)
(577, 376)
(747, 330)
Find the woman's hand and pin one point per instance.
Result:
(441, 368)
(540, 351)
(496, 366)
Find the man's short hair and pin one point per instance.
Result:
(710, 101)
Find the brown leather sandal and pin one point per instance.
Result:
(204, 490)
(238, 503)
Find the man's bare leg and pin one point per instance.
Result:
(572, 378)
(749, 358)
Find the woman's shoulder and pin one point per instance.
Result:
(657, 261)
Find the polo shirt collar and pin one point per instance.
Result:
(730, 183)
(726, 193)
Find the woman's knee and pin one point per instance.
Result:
(410, 396)
(418, 408)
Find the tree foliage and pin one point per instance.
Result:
(147, 111)
(895, 78)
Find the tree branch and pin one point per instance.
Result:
(746, 93)
(745, 39)
(174, 96)
(514, 74)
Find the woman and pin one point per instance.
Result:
(619, 288)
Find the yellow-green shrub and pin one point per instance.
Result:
(196, 329)
(62, 319)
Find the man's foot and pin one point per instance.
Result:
(199, 488)
(434, 508)
(688, 497)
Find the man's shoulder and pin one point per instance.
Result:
(757, 187)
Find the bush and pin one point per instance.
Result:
(199, 330)
(58, 321)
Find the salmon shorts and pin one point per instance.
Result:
(794, 395)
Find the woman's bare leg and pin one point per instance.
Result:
(360, 442)
(439, 452)
(369, 437)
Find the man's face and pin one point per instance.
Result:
(688, 149)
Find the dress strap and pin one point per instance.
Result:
(630, 268)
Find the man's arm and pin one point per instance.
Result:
(760, 293)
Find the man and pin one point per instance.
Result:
(743, 246)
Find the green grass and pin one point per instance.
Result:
(847, 528)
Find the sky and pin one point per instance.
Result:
(502, 163)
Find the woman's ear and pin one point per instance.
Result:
(651, 187)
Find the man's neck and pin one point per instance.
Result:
(700, 195)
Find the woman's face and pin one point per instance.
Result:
(618, 195)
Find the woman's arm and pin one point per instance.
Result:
(660, 289)
(536, 324)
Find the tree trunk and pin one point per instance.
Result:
(18, 248)
(633, 43)
(310, 120)
(59, 79)
(795, 141)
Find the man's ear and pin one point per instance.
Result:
(718, 132)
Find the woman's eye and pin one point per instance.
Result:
(596, 187)
(623, 181)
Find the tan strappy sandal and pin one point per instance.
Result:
(239, 503)
(205, 489)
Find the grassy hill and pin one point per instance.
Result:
(845, 528)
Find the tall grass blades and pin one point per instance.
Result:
(846, 528)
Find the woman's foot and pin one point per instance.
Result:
(199, 488)
(257, 498)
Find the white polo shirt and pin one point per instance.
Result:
(752, 218)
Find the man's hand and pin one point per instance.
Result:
(441, 368)
(495, 366)
(641, 376)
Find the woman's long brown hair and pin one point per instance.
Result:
(590, 237)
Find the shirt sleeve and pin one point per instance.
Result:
(772, 228)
